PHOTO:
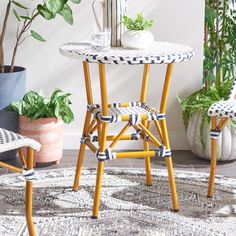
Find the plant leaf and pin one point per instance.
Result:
(66, 13)
(54, 6)
(37, 36)
(76, 1)
(16, 15)
(19, 5)
(25, 17)
(44, 12)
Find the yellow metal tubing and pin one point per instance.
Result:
(147, 159)
(158, 128)
(166, 88)
(100, 168)
(91, 146)
(152, 137)
(88, 83)
(118, 137)
(138, 154)
(213, 160)
(81, 154)
(29, 194)
(10, 167)
(21, 155)
(145, 83)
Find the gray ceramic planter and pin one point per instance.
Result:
(12, 88)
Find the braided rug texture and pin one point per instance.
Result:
(128, 206)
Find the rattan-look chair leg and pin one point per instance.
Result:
(81, 154)
(100, 170)
(29, 194)
(213, 161)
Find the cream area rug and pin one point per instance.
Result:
(128, 206)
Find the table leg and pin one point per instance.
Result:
(81, 154)
(166, 138)
(89, 95)
(143, 97)
(102, 140)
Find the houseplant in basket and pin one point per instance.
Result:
(12, 77)
(43, 119)
(137, 35)
(219, 72)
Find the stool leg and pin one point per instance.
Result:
(213, 161)
(170, 168)
(147, 161)
(100, 169)
(29, 195)
(81, 154)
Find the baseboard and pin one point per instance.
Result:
(178, 142)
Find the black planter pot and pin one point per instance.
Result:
(12, 88)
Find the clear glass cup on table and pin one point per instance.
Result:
(101, 40)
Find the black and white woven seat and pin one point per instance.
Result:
(10, 141)
(223, 109)
(132, 112)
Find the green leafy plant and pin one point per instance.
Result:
(219, 62)
(48, 9)
(139, 23)
(35, 106)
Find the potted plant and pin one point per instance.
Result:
(137, 36)
(219, 72)
(43, 119)
(12, 77)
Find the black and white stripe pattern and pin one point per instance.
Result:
(107, 155)
(10, 141)
(28, 174)
(134, 110)
(215, 133)
(158, 53)
(163, 152)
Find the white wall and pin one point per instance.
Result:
(175, 21)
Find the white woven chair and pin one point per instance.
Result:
(10, 141)
(220, 112)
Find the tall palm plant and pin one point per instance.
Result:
(219, 62)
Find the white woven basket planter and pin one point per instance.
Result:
(226, 142)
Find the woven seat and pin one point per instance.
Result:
(133, 112)
(223, 109)
(10, 141)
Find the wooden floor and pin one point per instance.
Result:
(182, 160)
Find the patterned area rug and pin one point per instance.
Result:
(128, 206)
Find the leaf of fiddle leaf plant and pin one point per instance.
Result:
(37, 36)
(44, 12)
(19, 5)
(55, 6)
(16, 15)
(66, 13)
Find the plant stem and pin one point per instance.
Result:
(217, 31)
(3, 35)
(24, 28)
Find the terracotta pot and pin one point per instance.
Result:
(49, 133)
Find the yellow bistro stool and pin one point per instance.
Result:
(138, 114)
(10, 141)
(220, 112)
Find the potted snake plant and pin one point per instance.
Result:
(13, 77)
(43, 119)
(219, 73)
